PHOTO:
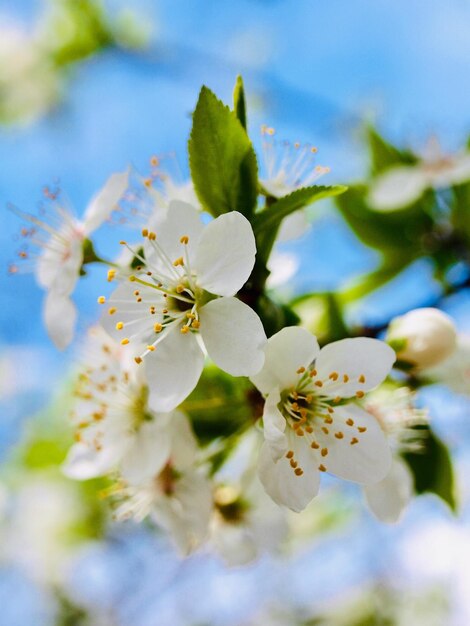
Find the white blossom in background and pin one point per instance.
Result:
(56, 238)
(401, 185)
(182, 295)
(282, 266)
(396, 413)
(116, 427)
(312, 420)
(288, 167)
(428, 334)
(454, 372)
(245, 523)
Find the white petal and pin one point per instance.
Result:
(282, 266)
(233, 335)
(388, 499)
(186, 514)
(364, 361)
(286, 351)
(274, 425)
(293, 226)
(183, 442)
(458, 172)
(367, 461)
(103, 203)
(235, 544)
(398, 187)
(181, 219)
(60, 316)
(282, 484)
(59, 266)
(148, 452)
(84, 462)
(226, 254)
(173, 370)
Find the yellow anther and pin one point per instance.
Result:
(303, 414)
(345, 378)
(293, 463)
(309, 398)
(299, 432)
(362, 429)
(333, 376)
(150, 348)
(337, 399)
(184, 239)
(298, 471)
(339, 435)
(138, 360)
(111, 275)
(297, 145)
(314, 445)
(289, 454)
(322, 468)
(119, 325)
(301, 370)
(295, 406)
(124, 341)
(145, 232)
(324, 451)
(185, 329)
(101, 300)
(270, 131)
(328, 420)
(318, 383)
(196, 324)
(354, 440)
(362, 378)
(158, 327)
(123, 243)
(178, 261)
(330, 409)
(325, 430)
(190, 316)
(309, 429)
(313, 373)
(132, 278)
(136, 292)
(164, 311)
(112, 310)
(350, 422)
(180, 288)
(313, 150)
(154, 161)
(360, 394)
(148, 182)
(152, 236)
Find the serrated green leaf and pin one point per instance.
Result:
(431, 467)
(383, 154)
(273, 215)
(239, 102)
(222, 160)
(391, 232)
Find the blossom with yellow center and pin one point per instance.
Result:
(312, 420)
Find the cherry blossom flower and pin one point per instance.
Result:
(116, 427)
(397, 415)
(428, 335)
(288, 167)
(312, 420)
(183, 294)
(57, 238)
(402, 185)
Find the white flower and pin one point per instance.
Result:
(282, 266)
(312, 421)
(396, 413)
(60, 237)
(116, 428)
(455, 370)
(402, 185)
(246, 523)
(179, 500)
(289, 167)
(429, 336)
(171, 303)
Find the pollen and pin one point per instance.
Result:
(132, 278)
(148, 182)
(333, 376)
(178, 261)
(362, 429)
(111, 275)
(112, 310)
(190, 316)
(309, 429)
(152, 236)
(101, 300)
(314, 445)
(293, 463)
(154, 161)
(185, 329)
(145, 232)
(124, 341)
(350, 422)
(354, 440)
(119, 325)
(318, 383)
(196, 324)
(324, 451)
(359, 394)
(123, 243)
(138, 360)
(151, 348)
(184, 239)
(345, 378)
(313, 373)
(339, 435)
(322, 468)
(298, 471)
(325, 430)
(362, 378)
(289, 454)
(301, 370)
(180, 288)
(299, 432)
(158, 327)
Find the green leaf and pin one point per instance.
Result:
(390, 232)
(273, 215)
(239, 102)
(222, 160)
(432, 467)
(383, 154)
(460, 215)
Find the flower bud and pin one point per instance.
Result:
(423, 337)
